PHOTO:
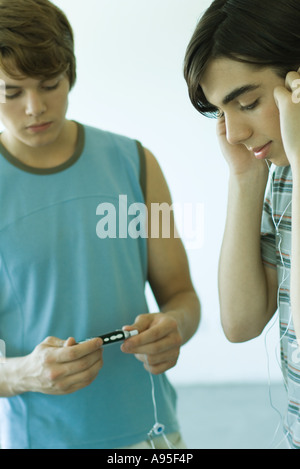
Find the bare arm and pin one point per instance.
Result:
(162, 334)
(247, 289)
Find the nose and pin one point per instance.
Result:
(35, 105)
(238, 130)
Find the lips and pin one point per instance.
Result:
(262, 152)
(39, 127)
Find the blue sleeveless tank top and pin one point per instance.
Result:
(61, 277)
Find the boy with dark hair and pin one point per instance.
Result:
(242, 67)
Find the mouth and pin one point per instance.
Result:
(262, 153)
(39, 127)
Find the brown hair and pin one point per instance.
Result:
(263, 33)
(36, 40)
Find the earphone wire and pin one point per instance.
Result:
(156, 423)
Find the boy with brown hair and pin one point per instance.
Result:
(62, 282)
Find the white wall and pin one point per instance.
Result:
(130, 56)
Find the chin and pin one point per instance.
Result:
(280, 161)
(39, 141)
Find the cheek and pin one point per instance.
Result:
(271, 122)
(60, 102)
(8, 112)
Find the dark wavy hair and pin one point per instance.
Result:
(36, 40)
(264, 33)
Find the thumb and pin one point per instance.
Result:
(54, 342)
(141, 323)
(69, 342)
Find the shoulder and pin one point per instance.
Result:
(107, 137)
(120, 149)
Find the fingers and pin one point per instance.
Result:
(153, 342)
(53, 342)
(292, 80)
(157, 364)
(63, 366)
(70, 342)
(281, 94)
(83, 363)
(75, 357)
(79, 373)
(73, 351)
(70, 378)
(158, 344)
(289, 92)
(154, 333)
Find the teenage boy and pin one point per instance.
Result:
(242, 67)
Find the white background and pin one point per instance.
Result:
(130, 59)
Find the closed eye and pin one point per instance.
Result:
(44, 87)
(13, 96)
(52, 87)
(250, 107)
(220, 114)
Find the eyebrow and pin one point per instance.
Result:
(12, 87)
(16, 87)
(238, 92)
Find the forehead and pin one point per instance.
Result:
(15, 74)
(20, 80)
(224, 76)
(17, 78)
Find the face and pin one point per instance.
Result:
(34, 112)
(244, 96)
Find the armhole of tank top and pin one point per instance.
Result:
(143, 168)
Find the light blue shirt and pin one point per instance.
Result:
(59, 278)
